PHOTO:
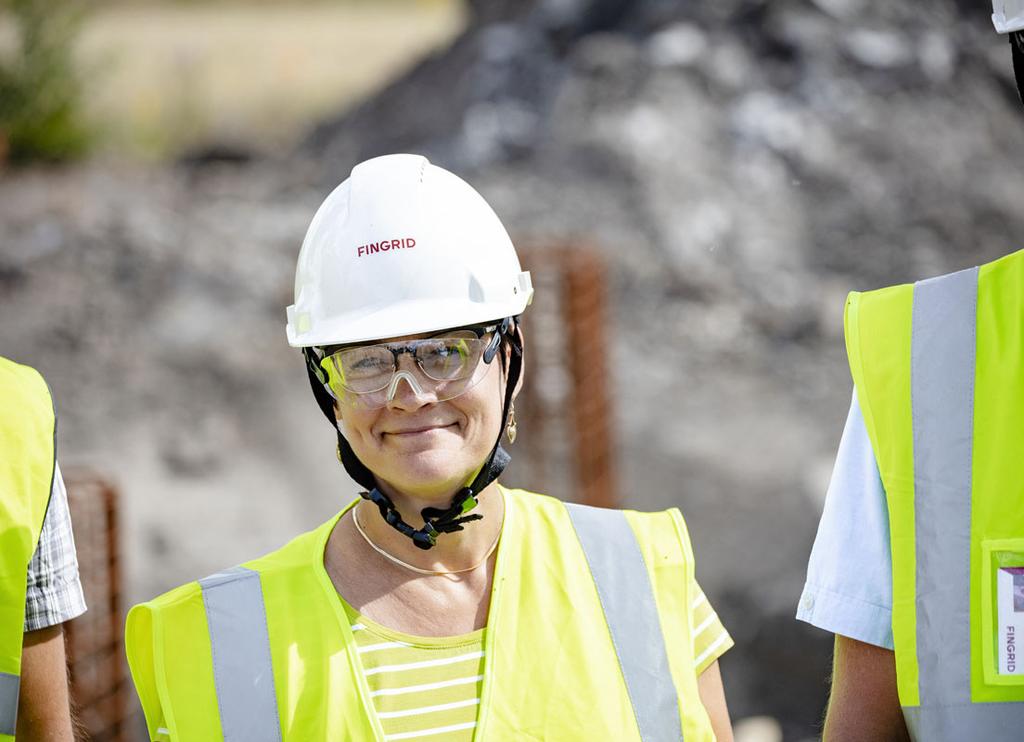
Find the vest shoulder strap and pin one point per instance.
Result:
(627, 595)
(212, 618)
(27, 430)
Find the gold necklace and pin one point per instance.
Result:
(430, 572)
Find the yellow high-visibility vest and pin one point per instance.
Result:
(27, 427)
(588, 637)
(939, 372)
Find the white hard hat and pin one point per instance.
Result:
(1008, 15)
(402, 247)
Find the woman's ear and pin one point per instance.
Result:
(338, 423)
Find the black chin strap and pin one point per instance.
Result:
(436, 521)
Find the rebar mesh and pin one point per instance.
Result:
(564, 410)
(100, 689)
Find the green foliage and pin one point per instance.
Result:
(40, 90)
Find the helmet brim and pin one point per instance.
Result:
(401, 319)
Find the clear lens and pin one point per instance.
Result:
(444, 367)
(451, 357)
(365, 369)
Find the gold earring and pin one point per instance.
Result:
(510, 426)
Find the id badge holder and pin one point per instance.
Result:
(1003, 611)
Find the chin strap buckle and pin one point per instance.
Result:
(424, 540)
(436, 521)
(469, 502)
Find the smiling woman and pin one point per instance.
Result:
(439, 604)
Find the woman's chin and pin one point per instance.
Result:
(428, 477)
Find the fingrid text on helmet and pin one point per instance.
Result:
(384, 246)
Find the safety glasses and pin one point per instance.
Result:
(445, 366)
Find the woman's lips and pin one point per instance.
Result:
(418, 430)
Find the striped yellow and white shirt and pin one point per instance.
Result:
(429, 687)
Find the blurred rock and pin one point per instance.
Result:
(938, 56)
(880, 49)
(679, 45)
(843, 9)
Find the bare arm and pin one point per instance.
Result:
(712, 695)
(44, 712)
(864, 704)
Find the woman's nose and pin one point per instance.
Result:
(408, 395)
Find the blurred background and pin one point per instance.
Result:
(695, 186)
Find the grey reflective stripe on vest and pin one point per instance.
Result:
(8, 702)
(627, 598)
(943, 350)
(942, 398)
(242, 670)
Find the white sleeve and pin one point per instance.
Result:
(849, 576)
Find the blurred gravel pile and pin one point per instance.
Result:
(741, 165)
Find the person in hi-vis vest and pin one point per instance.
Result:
(439, 605)
(39, 584)
(918, 566)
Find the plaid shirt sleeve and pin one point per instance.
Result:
(54, 590)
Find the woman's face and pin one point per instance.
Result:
(423, 448)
